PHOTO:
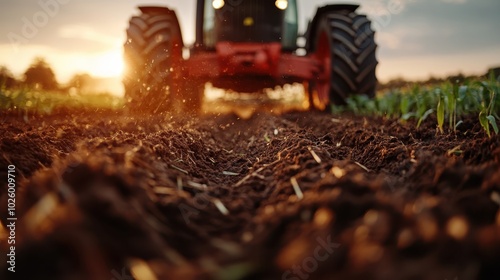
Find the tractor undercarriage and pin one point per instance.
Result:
(251, 67)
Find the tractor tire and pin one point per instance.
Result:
(153, 52)
(345, 46)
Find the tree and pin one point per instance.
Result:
(456, 79)
(81, 82)
(398, 82)
(40, 75)
(6, 78)
(495, 72)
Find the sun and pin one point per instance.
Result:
(108, 64)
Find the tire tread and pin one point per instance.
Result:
(353, 55)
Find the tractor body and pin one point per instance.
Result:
(248, 45)
(243, 46)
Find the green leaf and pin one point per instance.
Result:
(483, 120)
(424, 116)
(493, 123)
(236, 271)
(352, 105)
(491, 105)
(407, 116)
(440, 114)
(462, 92)
(404, 106)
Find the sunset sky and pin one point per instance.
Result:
(416, 38)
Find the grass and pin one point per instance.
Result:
(45, 102)
(448, 102)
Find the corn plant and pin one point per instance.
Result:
(440, 112)
(487, 116)
(391, 105)
(423, 103)
(452, 106)
(424, 116)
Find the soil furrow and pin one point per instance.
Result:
(220, 197)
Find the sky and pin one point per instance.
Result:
(417, 38)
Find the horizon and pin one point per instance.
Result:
(417, 40)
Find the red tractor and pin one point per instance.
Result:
(248, 46)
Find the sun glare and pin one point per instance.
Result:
(108, 64)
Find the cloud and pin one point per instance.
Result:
(437, 28)
(388, 40)
(86, 33)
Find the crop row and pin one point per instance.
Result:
(448, 102)
(45, 102)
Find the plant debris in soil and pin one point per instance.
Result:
(297, 196)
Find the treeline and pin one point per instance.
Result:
(40, 75)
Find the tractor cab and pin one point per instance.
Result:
(248, 21)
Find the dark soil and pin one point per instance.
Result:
(104, 195)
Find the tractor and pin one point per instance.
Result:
(247, 46)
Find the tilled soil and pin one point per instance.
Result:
(106, 195)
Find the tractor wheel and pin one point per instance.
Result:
(153, 52)
(345, 46)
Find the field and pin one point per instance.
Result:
(403, 187)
